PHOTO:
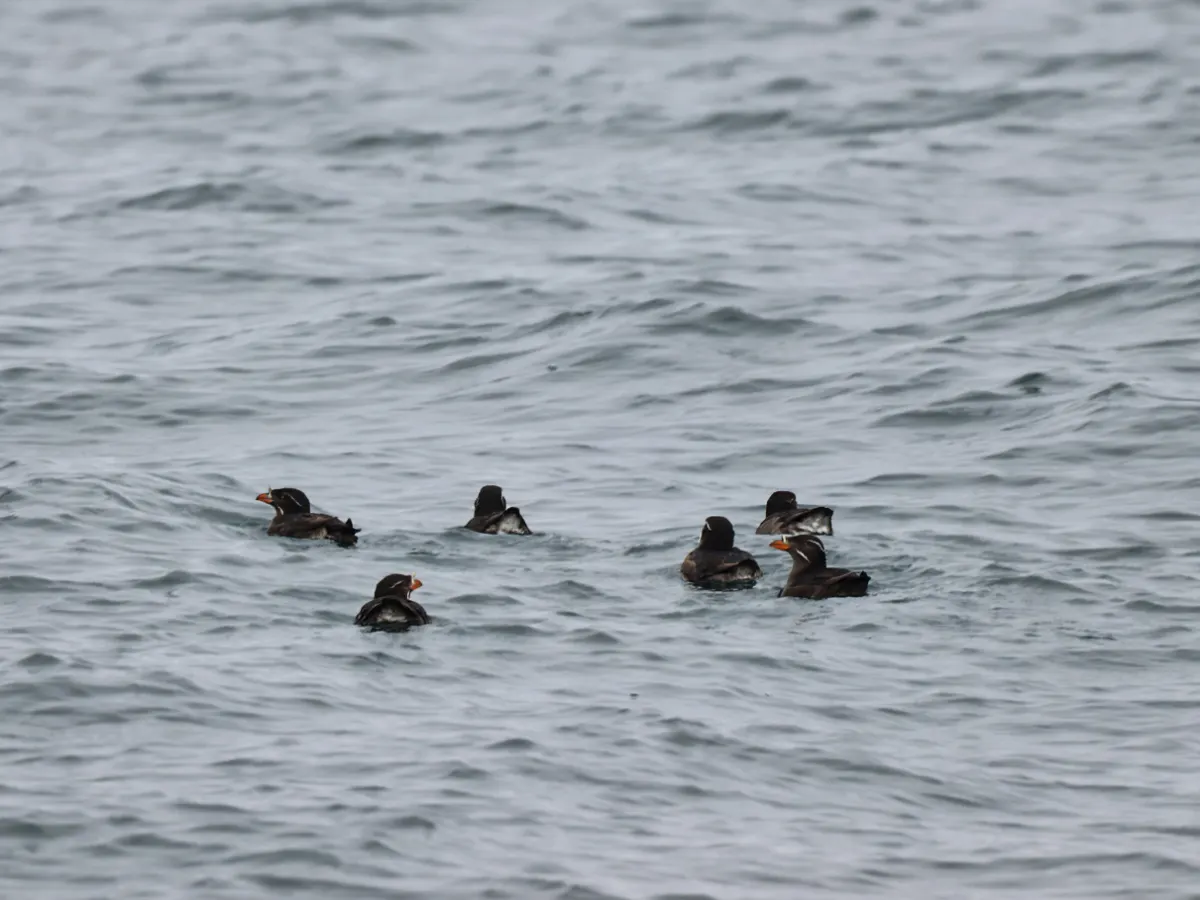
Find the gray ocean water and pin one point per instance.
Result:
(935, 264)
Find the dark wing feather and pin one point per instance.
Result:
(688, 568)
(344, 533)
(845, 583)
(508, 522)
(394, 613)
(827, 583)
(810, 520)
(512, 522)
(416, 611)
(704, 565)
(368, 611)
(314, 526)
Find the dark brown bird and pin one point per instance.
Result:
(811, 577)
(393, 608)
(294, 519)
(785, 516)
(493, 515)
(716, 562)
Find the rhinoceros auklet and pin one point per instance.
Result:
(393, 608)
(811, 577)
(294, 519)
(784, 516)
(715, 562)
(493, 515)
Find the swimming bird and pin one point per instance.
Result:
(784, 516)
(811, 577)
(715, 562)
(493, 515)
(294, 519)
(393, 608)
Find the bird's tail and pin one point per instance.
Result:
(347, 535)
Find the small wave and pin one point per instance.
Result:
(522, 744)
(711, 287)
(399, 138)
(1035, 583)
(652, 549)
(511, 629)
(966, 409)
(28, 335)
(610, 356)
(719, 70)
(686, 733)
(1069, 303)
(482, 360)
(763, 661)
(1172, 343)
(1170, 515)
(484, 601)
(39, 660)
(1156, 607)
(23, 373)
(767, 387)
(19, 195)
(174, 578)
(287, 856)
(562, 319)
(450, 342)
(790, 84)
(204, 808)
(386, 44)
(864, 628)
(594, 637)
(147, 840)
(30, 584)
(575, 591)
(792, 193)
(933, 109)
(657, 217)
(410, 823)
(461, 771)
(95, 15)
(29, 830)
(739, 121)
(938, 376)
(678, 20)
(506, 213)
(1118, 389)
(637, 308)
(236, 195)
(307, 13)
(540, 215)
(177, 97)
(858, 15)
(725, 321)
(1058, 63)
(1030, 382)
(1126, 550)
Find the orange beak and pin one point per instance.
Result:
(780, 545)
(264, 498)
(416, 583)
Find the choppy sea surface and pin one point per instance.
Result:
(935, 264)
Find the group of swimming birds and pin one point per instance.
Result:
(714, 563)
